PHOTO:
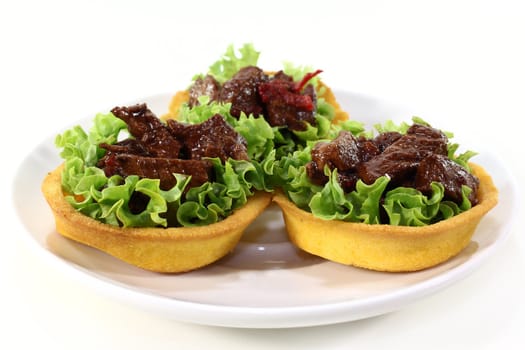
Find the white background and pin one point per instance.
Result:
(458, 64)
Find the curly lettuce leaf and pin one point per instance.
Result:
(409, 207)
(324, 128)
(75, 142)
(461, 158)
(368, 198)
(203, 205)
(258, 133)
(212, 202)
(229, 64)
(204, 111)
(289, 174)
(390, 126)
(361, 205)
(403, 206)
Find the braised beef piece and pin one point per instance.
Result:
(347, 180)
(344, 153)
(341, 153)
(287, 103)
(415, 159)
(242, 91)
(385, 139)
(158, 150)
(400, 160)
(440, 168)
(158, 168)
(212, 138)
(281, 75)
(148, 130)
(130, 146)
(206, 86)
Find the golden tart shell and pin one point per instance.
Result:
(385, 247)
(176, 249)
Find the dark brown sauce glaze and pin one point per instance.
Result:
(158, 150)
(280, 100)
(415, 160)
(242, 91)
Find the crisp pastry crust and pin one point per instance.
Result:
(157, 249)
(385, 247)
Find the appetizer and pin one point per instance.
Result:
(175, 193)
(399, 201)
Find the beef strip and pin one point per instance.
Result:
(149, 130)
(158, 168)
(130, 146)
(242, 91)
(212, 138)
(206, 86)
(440, 168)
(400, 160)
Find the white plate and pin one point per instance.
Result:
(265, 282)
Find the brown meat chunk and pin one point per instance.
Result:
(206, 86)
(212, 138)
(441, 169)
(158, 168)
(344, 153)
(385, 139)
(130, 146)
(400, 160)
(242, 91)
(149, 130)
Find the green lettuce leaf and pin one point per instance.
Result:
(361, 205)
(204, 111)
(75, 142)
(258, 133)
(229, 64)
(409, 207)
(462, 158)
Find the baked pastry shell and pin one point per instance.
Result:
(385, 247)
(175, 249)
